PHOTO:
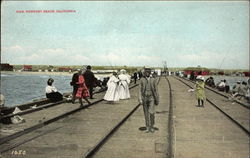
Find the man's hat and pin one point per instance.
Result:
(122, 71)
(148, 69)
(88, 67)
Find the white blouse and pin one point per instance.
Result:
(50, 89)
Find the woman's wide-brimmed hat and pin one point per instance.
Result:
(123, 71)
(200, 78)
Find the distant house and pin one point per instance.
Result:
(64, 69)
(6, 67)
(197, 71)
(221, 73)
(27, 67)
(247, 74)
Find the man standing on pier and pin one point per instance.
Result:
(90, 80)
(149, 98)
(74, 84)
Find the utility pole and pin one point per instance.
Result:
(165, 68)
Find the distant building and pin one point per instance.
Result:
(221, 73)
(27, 67)
(247, 74)
(6, 67)
(64, 69)
(197, 71)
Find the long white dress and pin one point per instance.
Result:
(123, 86)
(112, 92)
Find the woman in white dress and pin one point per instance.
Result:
(112, 92)
(123, 85)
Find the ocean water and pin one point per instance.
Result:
(23, 88)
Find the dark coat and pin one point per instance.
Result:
(90, 79)
(74, 80)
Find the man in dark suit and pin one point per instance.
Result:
(90, 80)
(74, 84)
(149, 98)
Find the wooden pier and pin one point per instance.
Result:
(117, 130)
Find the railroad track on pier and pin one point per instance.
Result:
(221, 94)
(169, 149)
(25, 131)
(93, 150)
(39, 108)
(235, 117)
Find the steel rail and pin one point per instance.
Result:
(170, 122)
(96, 148)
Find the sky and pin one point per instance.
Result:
(211, 34)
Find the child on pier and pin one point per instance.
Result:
(200, 91)
(82, 90)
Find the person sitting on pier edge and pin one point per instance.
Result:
(221, 85)
(236, 89)
(210, 82)
(82, 90)
(90, 80)
(149, 98)
(200, 91)
(73, 83)
(243, 90)
(51, 91)
(112, 93)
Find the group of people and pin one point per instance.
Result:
(118, 87)
(241, 89)
(83, 83)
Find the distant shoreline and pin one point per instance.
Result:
(46, 73)
(38, 73)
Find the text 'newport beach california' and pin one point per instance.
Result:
(45, 11)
